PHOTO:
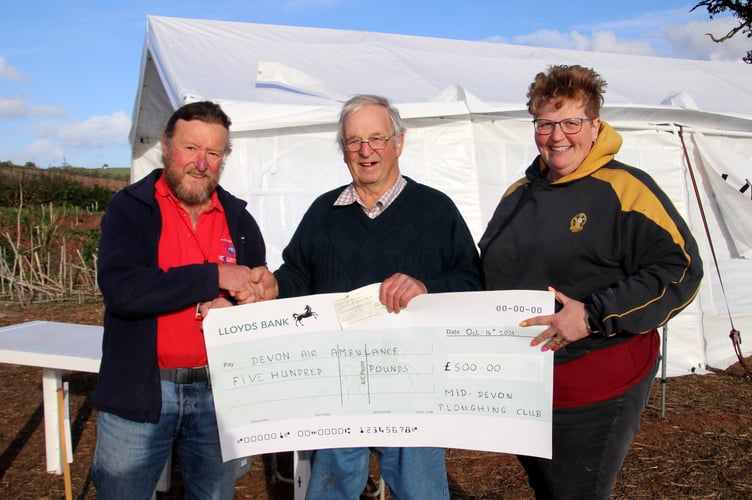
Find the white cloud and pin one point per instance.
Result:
(16, 107)
(8, 72)
(664, 33)
(13, 107)
(598, 41)
(58, 138)
(691, 41)
(43, 152)
(606, 41)
(96, 132)
(46, 111)
(645, 26)
(543, 38)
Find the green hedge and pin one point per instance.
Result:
(44, 188)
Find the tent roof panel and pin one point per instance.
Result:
(313, 67)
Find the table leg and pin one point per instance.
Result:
(301, 472)
(52, 379)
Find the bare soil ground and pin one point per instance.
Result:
(700, 449)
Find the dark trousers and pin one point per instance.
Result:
(589, 446)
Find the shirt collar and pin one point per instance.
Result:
(349, 195)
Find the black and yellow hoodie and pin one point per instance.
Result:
(606, 235)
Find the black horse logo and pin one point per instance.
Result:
(305, 314)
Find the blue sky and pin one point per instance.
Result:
(69, 70)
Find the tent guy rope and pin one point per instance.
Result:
(735, 335)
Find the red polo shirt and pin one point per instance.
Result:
(180, 340)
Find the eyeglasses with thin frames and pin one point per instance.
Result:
(568, 125)
(376, 143)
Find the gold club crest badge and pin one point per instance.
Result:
(577, 223)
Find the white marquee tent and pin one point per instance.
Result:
(469, 133)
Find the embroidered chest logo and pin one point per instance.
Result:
(228, 248)
(577, 223)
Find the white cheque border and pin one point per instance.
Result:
(250, 345)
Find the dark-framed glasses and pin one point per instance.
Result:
(568, 125)
(376, 142)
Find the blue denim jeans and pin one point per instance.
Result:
(411, 473)
(590, 443)
(129, 456)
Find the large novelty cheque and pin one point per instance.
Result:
(452, 370)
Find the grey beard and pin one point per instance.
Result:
(190, 198)
(193, 198)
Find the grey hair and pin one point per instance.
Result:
(359, 101)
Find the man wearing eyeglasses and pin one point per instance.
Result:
(382, 227)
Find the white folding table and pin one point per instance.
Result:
(54, 347)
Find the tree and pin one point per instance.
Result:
(741, 9)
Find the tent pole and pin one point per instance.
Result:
(664, 379)
(664, 362)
